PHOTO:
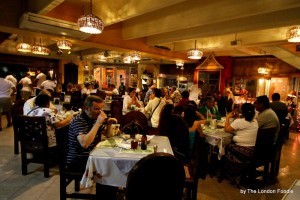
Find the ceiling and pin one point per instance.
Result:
(161, 30)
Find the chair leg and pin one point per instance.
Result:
(77, 185)
(24, 163)
(16, 145)
(194, 192)
(63, 188)
(46, 169)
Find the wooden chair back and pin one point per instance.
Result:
(68, 174)
(116, 110)
(17, 109)
(137, 116)
(161, 173)
(34, 140)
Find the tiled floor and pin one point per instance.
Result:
(35, 187)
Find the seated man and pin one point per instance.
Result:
(266, 118)
(155, 106)
(208, 109)
(84, 134)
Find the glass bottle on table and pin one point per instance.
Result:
(208, 117)
(144, 142)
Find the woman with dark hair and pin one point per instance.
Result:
(42, 102)
(244, 129)
(190, 118)
(130, 100)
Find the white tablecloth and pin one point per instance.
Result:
(109, 166)
(217, 137)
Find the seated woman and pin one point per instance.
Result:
(130, 100)
(194, 125)
(245, 132)
(42, 102)
(208, 109)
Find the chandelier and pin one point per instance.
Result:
(39, 49)
(263, 70)
(64, 44)
(293, 34)
(135, 56)
(24, 47)
(127, 59)
(179, 63)
(90, 23)
(195, 53)
(181, 78)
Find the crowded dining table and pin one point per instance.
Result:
(216, 136)
(112, 159)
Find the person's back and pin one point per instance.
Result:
(279, 108)
(122, 89)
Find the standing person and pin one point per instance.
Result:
(175, 95)
(279, 108)
(26, 87)
(14, 81)
(196, 91)
(48, 84)
(148, 94)
(84, 134)
(155, 106)
(40, 78)
(266, 118)
(122, 89)
(5, 99)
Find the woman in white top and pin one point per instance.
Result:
(244, 129)
(42, 102)
(48, 84)
(130, 100)
(245, 132)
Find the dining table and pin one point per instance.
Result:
(112, 159)
(217, 137)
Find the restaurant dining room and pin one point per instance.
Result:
(172, 99)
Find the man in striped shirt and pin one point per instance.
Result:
(85, 131)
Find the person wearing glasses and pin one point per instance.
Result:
(84, 134)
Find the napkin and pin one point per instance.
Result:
(124, 146)
(149, 150)
(109, 143)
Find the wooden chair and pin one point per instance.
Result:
(192, 168)
(116, 110)
(34, 140)
(284, 129)
(164, 117)
(262, 157)
(68, 174)
(17, 109)
(157, 176)
(135, 116)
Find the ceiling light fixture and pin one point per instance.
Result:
(136, 56)
(24, 47)
(263, 70)
(181, 78)
(127, 59)
(179, 63)
(195, 53)
(64, 44)
(293, 34)
(90, 23)
(39, 49)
